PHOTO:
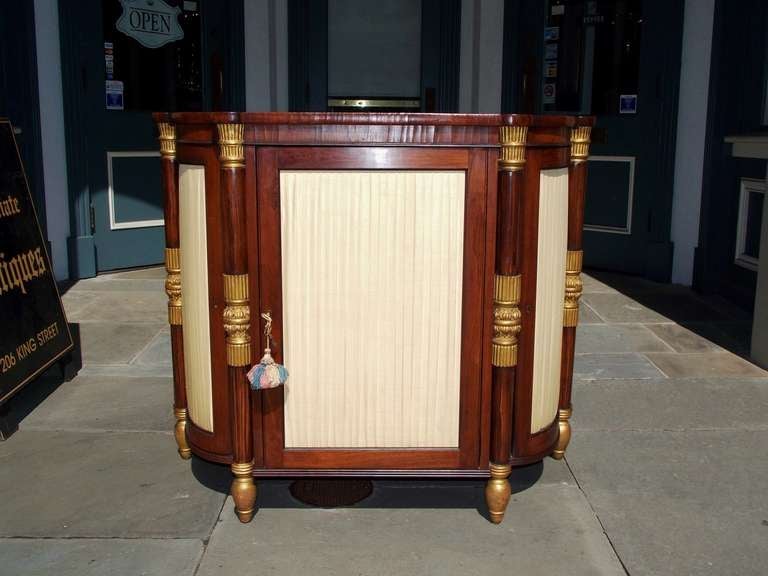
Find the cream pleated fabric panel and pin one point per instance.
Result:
(372, 283)
(193, 243)
(550, 296)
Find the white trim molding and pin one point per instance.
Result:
(625, 230)
(266, 55)
(52, 133)
(695, 62)
(130, 224)
(480, 64)
(746, 187)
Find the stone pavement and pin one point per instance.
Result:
(667, 472)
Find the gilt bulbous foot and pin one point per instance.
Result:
(498, 491)
(563, 417)
(180, 431)
(243, 491)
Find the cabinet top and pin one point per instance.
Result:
(373, 118)
(372, 129)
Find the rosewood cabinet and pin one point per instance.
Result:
(423, 275)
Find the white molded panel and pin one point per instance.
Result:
(193, 244)
(550, 296)
(372, 297)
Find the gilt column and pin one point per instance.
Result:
(577, 181)
(236, 315)
(506, 315)
(170, 177)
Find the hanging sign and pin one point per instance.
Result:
(152, 23)
(34, 330)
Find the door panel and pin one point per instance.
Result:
(618, 60)
(113, 81)
(550, 292)
(133, 201)
(366, 298)
(372, 307)
(193, 244)
(132, 80)
(610, 194)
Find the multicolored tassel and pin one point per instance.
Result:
(267, 373)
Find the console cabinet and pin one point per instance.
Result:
(423, 275)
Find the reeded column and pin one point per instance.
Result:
(577, 181)
(506, 315)
(236, 315)
(170, 175)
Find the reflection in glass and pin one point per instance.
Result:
(164, 78)
(591, 55)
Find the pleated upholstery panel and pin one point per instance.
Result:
(372, 299)
(193, 243)
(550, 296)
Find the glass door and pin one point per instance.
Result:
(619, 61)
(148, 60)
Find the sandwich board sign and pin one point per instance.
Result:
(33, 328)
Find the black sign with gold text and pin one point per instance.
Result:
(33, 329)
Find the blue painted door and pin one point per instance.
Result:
(147, 58)
(620, 61)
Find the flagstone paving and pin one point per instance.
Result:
(666, 474)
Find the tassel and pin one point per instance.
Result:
(267, 373)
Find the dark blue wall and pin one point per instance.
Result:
(737, 85)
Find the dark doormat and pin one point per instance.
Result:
(331, 492)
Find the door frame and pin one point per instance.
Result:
(222, 30)
(266, 219)
(520, 93)
(735, 106)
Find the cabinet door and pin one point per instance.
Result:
(372, 264)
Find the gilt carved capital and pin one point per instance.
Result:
(167, 139)
(512, 140)
(580, 140)
(231, 150)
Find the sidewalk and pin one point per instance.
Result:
(667, 471)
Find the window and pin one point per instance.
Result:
(592, 56)
(749, 226)
(162, 74)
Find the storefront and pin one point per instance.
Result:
(609, 58)
(149, 56)
(665, 198)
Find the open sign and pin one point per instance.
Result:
(152, 23)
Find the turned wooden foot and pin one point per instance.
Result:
(563, 417)
(180, 430)
(498, 492)
(243, 490)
